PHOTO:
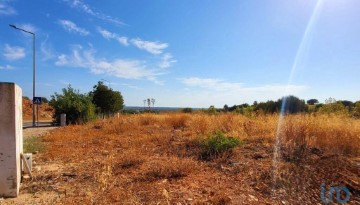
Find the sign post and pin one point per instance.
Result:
(37, 101)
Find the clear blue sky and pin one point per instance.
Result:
(185, 52)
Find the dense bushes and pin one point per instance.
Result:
(292, 105)
(77, 107)
(289, 104)
(80, 108)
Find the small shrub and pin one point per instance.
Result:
(33, 144)
(212, 110)
(218, 144)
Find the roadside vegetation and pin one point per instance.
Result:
(33, 144)
(81, 108)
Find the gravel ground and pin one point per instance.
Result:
(37, 131)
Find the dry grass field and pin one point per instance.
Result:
(160, 159)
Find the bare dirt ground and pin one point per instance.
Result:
(38, 169)
(156, 160)
(37, 131)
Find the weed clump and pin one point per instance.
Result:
(218, 144)
(33, 145)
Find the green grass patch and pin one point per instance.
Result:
(218, 144)
(33, 145)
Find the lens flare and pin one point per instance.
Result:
(302, 50)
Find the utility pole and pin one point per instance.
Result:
(34, 69)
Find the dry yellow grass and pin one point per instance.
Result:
(333, 134)
(154, 158)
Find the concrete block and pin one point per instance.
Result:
(62, 119)
(11, 139)
(28, 159)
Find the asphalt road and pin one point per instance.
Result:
(43, 123)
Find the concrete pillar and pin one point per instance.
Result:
(11, 139)
(63, 120)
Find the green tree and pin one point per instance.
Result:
(268, 107)
(348, 104)
(312, 101)
(226, 108)
(333, 106)
(106, 100)
(44, 100)
(288, 104)
(291, 104)
(356, 111)
(77, 107)
(212, 110)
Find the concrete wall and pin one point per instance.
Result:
(11, 139)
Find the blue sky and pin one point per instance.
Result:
(185, 53)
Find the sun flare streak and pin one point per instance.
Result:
(299, 58)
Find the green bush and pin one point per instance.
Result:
(212, 110)
(218, 144)
(187, 110)
(246, 111)
(77, 107)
